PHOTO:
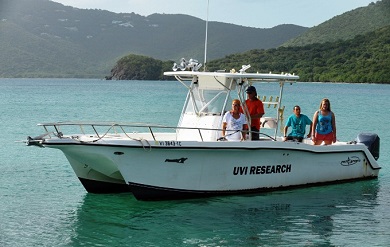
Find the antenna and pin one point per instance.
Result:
(205, 40)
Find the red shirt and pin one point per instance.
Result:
(255, 107)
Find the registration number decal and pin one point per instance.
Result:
(170, 143)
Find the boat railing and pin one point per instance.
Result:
(95, 131)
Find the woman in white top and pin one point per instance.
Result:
(234, 123)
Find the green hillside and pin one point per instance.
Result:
(346, 26)
(363, 59)
(28, 55)
(41, 38)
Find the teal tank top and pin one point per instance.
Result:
(324, 123)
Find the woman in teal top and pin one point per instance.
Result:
(324, 124)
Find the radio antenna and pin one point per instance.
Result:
(205, 40)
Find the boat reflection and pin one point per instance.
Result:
(312, 216)
(309, 216)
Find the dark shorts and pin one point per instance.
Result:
(295, 138)
(255, 133)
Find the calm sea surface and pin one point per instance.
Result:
(42, 203)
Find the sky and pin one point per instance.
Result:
(249, 13)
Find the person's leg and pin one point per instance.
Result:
(255, 133)
(319, 139)
(328, 140)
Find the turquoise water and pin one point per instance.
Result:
(42, 203)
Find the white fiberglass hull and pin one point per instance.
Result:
(157, 170)
(95, 170)
(188, 170)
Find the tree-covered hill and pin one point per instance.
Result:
(138, 67)
(363, 59)
(346, 26)
(41, 38)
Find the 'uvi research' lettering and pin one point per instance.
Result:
(257, 170)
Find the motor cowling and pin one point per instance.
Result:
(372, 142)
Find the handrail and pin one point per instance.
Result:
(112, 125)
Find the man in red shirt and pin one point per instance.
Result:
(256, 111)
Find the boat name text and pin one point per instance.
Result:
(256, 170)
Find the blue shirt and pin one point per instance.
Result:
(324, 123)
(298, 124)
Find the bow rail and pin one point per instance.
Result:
(95, 131)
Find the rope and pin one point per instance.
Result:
(223, 138)
(140, 139)
(124, 132)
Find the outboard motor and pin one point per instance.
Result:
(371, 141)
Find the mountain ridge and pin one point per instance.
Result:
(89, 42)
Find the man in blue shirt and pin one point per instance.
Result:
(298, 123)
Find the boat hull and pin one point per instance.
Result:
(103, 187)
(96, 172)
(186, 169)
(176, 173)
(151, 193)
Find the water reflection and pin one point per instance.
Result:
(312, 216)
(307, 216)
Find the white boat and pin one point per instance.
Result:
(96, 171)
(189, 160)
